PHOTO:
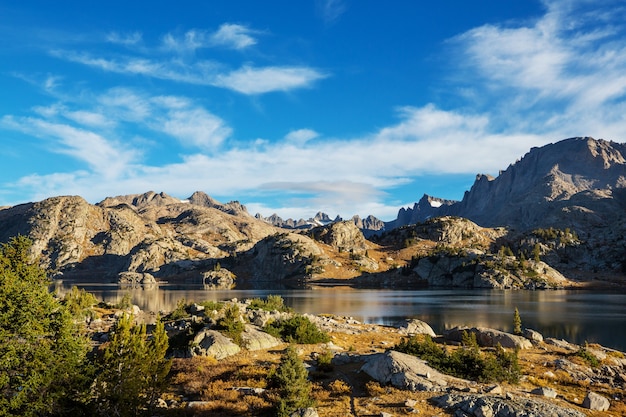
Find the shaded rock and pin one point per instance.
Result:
(415, 326)
(595, 401)
(563, 344)
(255, 339)
(404, 371)
(305, 412)
(544, 392)
(487, 405)
(220, 278)
(212, 343)
(134, 278)
(533, 335)
(489, 337)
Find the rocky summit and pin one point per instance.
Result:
(556, 218)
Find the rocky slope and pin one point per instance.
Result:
(577, 184)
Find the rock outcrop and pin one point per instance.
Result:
(404, 371)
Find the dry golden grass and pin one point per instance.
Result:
(344, 391)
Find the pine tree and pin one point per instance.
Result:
(132, 370)
(292, 379)
(517, 322)
(43, 367)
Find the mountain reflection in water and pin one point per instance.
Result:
(577, 316)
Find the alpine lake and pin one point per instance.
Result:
(577, 316)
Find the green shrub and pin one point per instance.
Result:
(79, 303)
(125, 303)
(271, 303)
(325, 361)
(297, 329)
(466, 362)
(231, 324)
(589, 357)
(212, 305)
(180, 311)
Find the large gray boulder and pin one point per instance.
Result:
(489, 337)
(414, 326)
(486, 405)
(255, 339)
(404, 371)
(595, 401)
(212, 343)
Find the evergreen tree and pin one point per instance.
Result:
(132, 370)
(517, 322)
(292, 379)
(43, 367)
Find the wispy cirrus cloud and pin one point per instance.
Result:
(251, 80)
(125, 39)
(331, 10)
(246, 80)
(229, 35)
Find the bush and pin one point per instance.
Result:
(79, 303)
(271, 303)
(231, 324)
(325, 361)
(466, 362)
(180, 311)
(297, 329)
(589, 357)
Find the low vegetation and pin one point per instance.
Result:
(298, 329)
(468, 361)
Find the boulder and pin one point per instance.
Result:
(212, 343)
(596, 402)
(305, 412)
(487, 405)
(544, 392)
(563, 344)
(255, 339)
(133, 278)
(533, 335)
(404, 371)
(415, 326)
(489, 337)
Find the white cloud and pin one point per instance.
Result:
(301, 136)
(105, 157)
(197, 127)
(250, 80)
(127, 39)
(234, 36)
(331, 10)
(229, 35)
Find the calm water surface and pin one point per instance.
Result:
(577, 316)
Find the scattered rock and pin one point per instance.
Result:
(596, 402)
(487, 405)
(544, 392)
(533, 335)
(305, 412)
(255, 339)
(415, 326)
(563, 344)
(404, 371)
(489, 337)
(212, 343)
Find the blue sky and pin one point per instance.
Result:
(344, 106)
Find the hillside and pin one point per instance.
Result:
(558, 213)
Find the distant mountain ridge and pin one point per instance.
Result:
(575, 182)
(564, 203)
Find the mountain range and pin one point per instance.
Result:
(560, 208)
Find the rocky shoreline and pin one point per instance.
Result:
(558, 378)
